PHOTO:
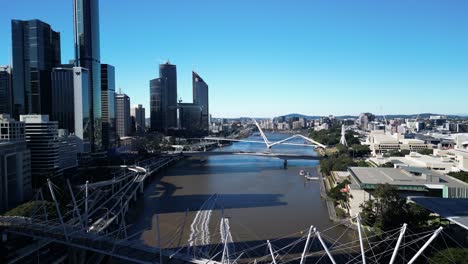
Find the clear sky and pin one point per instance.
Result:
(265, 58)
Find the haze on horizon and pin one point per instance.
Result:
(270, 58)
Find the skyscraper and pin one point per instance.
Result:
(5, 90)
(36, 50)
(138, 112)
(70, 103)
(200, 97)
(62, 90)
(41, 138)
(122, 113)
(87, 55)
(168, 72)
(158, 105)
(108, 105)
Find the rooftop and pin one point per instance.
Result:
(453, 209)
(408, 176)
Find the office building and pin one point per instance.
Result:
(15, 163)
(41, 138)
(70, 103)
(200, 97)
(158, 105)
(62, 90)
(10, 129)
(409, 181)
(190, 117)
(108, 106)
(15, 174)
(168, 72)
(138, 113)
(68, 150)
(6, 91)
(122, 114)
(87, 55)
(36, 50)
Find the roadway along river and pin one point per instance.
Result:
(260, 198)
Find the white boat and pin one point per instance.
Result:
(308, 177)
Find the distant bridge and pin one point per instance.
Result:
(270, 144)
(283, 156)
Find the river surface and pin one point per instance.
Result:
(260, 199)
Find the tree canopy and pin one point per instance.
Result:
(388, 211)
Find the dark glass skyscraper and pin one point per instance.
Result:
(158, 105)
(36, 50)
(5, 90)
(168, 72)
(108, 106)
(87, 55)
(200, 97)
(63, 110)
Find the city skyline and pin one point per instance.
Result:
(332, 58)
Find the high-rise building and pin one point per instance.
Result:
(190, 117)
(87, 55)
(5, 90)
(15, 173)
(70, 103)
(36, 50)
(200, 97)
(82, 107)
(108, 106)
(62, 90)
(158, 105)
(168, 72)
(138, 112)
(122, 113)
(41, 138)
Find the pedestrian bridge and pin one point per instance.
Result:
(283, 156)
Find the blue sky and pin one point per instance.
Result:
(272, 57)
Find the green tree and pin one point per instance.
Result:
(461, 175)
(360, 150)
(450, 255)
(388, 211)
(27, 209)
(388, 165)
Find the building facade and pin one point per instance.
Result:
(108, 106)
(138, 113)
(158, 105)
(82, 108)
(87, 55)
(122, 113)
(36, 50)
(6, 91)
(41, 138)
(200, 97)
(168, 72)
(15, 174)
(62, 89)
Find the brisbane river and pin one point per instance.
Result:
(260, 199)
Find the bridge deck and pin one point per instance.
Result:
(122, 249)
(284, 156)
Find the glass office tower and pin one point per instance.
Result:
(87, 55)
(168, 72)
(158, 105)
(200, 97)
(108, 106)
(36, 50)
